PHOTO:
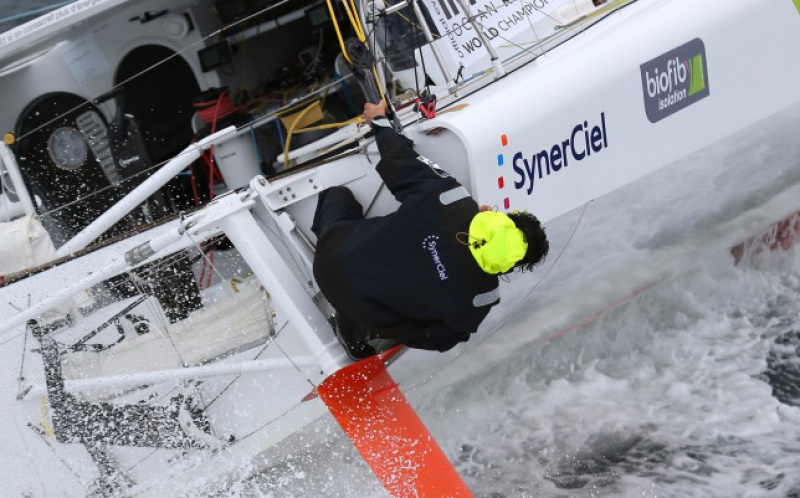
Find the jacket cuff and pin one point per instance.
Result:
(380, 122)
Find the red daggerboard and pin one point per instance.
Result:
(369, 406)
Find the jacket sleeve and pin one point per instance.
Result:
(403, 170)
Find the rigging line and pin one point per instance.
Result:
(166, 59)
(148, 269)
(457, 27)
(269, 342)
(144, 458)
(205, 257)
(545, 14)
(33, 12)
(41, 433)
(374, 34)
(19, 311)
(22, 363)
(418, 37)
(276, 418)
(8, 340)
(494, 329)
(546, 273)
(28, 452)
(301, 266)
(163, 328)
(567, 31)
(530, 23)
(384, 60)
(511, 42)
(417, 26)
(375, 198)
(289, 357)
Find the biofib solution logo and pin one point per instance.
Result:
(674, 80)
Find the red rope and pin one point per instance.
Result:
(204, 282)
(210, 112)
(194, 186)
(211, 267)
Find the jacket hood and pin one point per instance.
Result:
(495, 242)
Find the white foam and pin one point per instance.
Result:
(669, 384)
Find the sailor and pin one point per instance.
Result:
(426, 275)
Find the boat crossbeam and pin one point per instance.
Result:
(178, 375)
(286, 291)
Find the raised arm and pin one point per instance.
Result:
(401, 167)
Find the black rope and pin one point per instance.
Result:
(417, 36)
(21, 378)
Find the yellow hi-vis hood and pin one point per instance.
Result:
(495, 242)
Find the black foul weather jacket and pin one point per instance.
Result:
(406, 276)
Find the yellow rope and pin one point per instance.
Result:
(417, 26)
(338, 33)
(289, 134)
(237, 280)
(352, 14)
(363, 35)
(340, 124)
(47, 428)
(377, 80)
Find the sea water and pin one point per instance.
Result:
(689, 390)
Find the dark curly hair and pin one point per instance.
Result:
(538, 246)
